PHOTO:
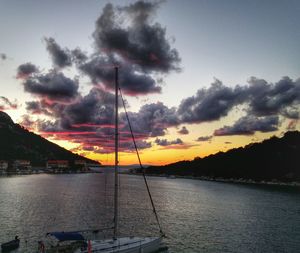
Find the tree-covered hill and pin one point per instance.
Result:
(18, 143)
(272, 159)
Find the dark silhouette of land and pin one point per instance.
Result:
(275, 159)
(17, 143)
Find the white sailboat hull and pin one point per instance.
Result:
(125, 245)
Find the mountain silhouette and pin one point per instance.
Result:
(275, 159)
(17, 143)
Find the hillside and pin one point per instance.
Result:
(272, 159)
(18, 143)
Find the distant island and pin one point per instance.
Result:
(273, 160)
(23, 150)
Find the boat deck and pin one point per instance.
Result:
(125, 245)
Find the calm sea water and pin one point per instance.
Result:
(197, 216)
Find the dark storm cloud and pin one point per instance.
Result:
(33, 106)
(126, 37)
(142, 145)
(210, 104)
(292, 113)
(140, 12)
(36, 107)
(123, 147)
(3, 56)
(50, 107)
(89, 121)
(26, 69)
(152, 119)
(130, 33)
(137, 83)
(249, 125)
(88, 148)
(97, 107)
(183, 130)
(6, 104)
(60, 57)
(53, 86)
(204, 138)
(95, 112)
(48, 126)
(101, 71)
(129, 146)
(165, 142)
(282, 97)
(84, 114)
(78, 56)
(260, 97)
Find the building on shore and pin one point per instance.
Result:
(60, 165)
(21, 166)
(81, 165)
(3, 167)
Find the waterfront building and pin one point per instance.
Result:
(21, 165)
(57, 165)
(80, 164)
(3, 167)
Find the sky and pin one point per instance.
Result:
(198, 77)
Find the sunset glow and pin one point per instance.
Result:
(195, 83)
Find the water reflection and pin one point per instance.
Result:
(197, 216)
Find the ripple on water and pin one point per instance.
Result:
(197, 216)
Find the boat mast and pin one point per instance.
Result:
(116, 155)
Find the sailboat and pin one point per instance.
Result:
(116, 244)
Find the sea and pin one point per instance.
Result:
(196, 216)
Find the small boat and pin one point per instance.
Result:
(11, 245)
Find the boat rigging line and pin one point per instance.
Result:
(141, 166)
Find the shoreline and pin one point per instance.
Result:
(46, 172)
(203, 178)
(224, 180)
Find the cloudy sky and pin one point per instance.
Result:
(198, 76)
